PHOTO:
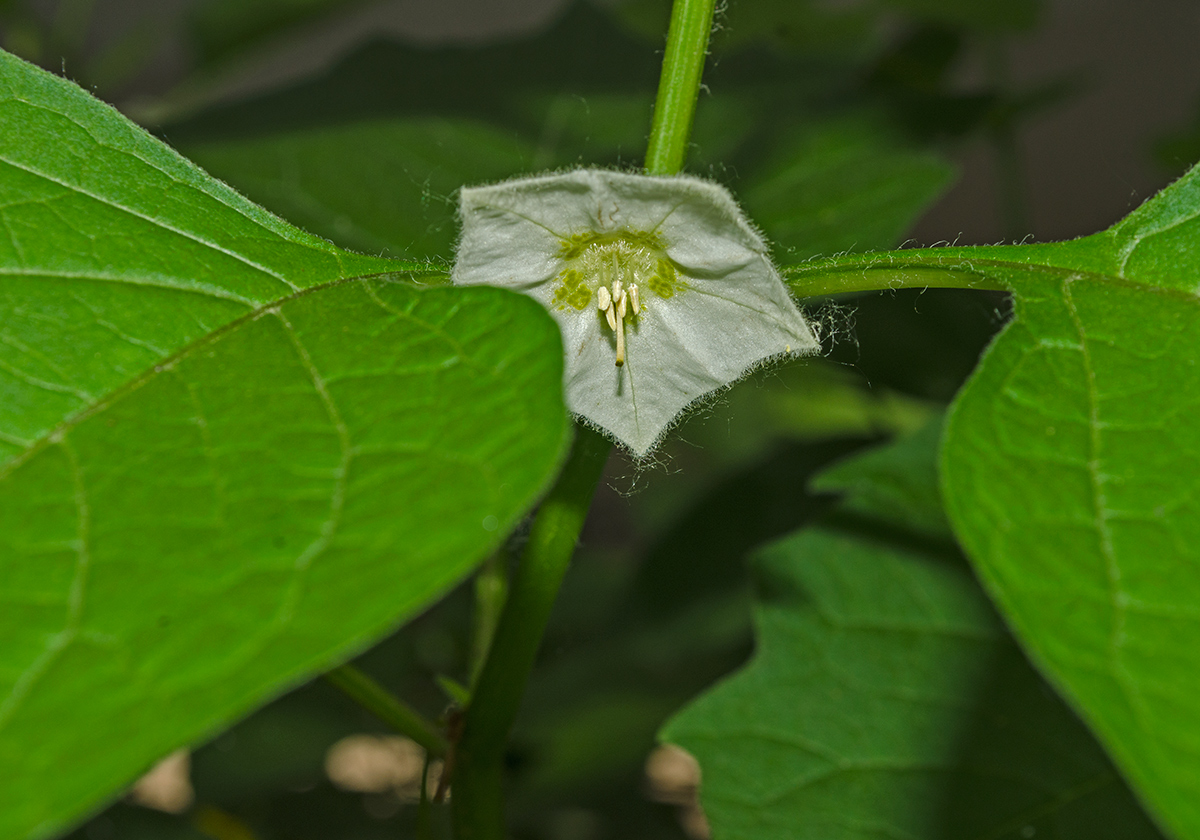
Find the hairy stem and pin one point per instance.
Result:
(977, 267)
(679, 85)
(388, 708)
(477, 797)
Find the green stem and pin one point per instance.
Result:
(981, 268)
(491, 591)
(476, 796)
(477, 800)
(679, 86)
(388, 708)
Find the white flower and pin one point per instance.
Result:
(662, 289)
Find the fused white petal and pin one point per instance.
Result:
(662, 289)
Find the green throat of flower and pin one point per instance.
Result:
(615, 270)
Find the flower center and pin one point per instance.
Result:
(611, 267)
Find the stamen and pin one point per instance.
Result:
(603, 299)
(611, 315)
(633, 298)
(621, 303)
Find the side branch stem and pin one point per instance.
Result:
(388, 708)
(476, 797)
(982, 268)
(679, 86)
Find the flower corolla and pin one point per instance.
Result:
(662, 289)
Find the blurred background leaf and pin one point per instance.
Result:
(385, 187)
(221, 28)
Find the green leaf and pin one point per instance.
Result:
(1071, 472)
(115, 252)
(383, 186)
(885, 700)
(261, 506)
(233, 454)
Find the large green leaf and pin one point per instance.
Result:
(1072, 468)
(264, 504)
(885, 700)
(1071, 471)
(116, 252)
(234, 454)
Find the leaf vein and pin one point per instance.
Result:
(1099, 500)
(76, 592)
(159, 223)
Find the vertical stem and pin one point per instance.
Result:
(477, 801)
(476, 795)
(679, 86)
